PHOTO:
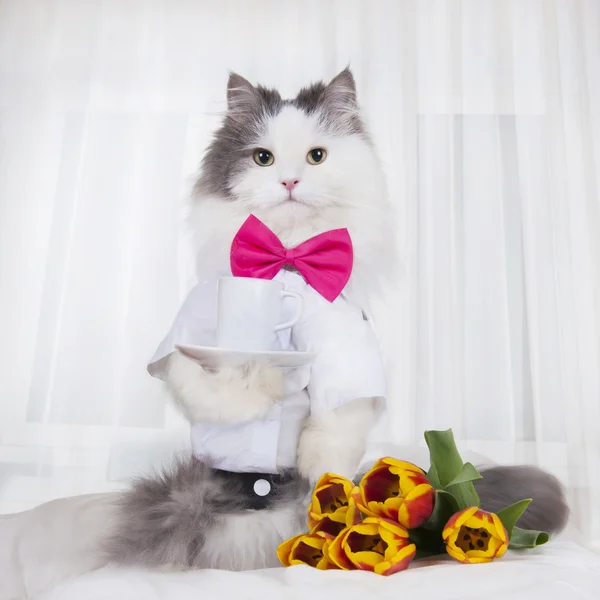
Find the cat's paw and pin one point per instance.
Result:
(229, 395)
(335, 441)
(320, 451)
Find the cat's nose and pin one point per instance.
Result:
(290, 184)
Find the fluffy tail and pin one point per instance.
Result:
(502, 486)
(192, 516)
(163, 520)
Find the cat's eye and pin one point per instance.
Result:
(316, 156)
(263, 158)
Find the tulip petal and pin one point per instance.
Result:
(501, 551)
(499, 527)
(328, 527)
(407, 484)
(395, 548)
(326, 564)
(391, 508)
(337, 552)
(497, 547)
(401, 465)
(417, 507)
(382, 568)
(300, 553)
(353, 515)
(367, 527)
(451, 539)
(284, 550)
(314, 541)
(457, 520)
(391, 528)
(480, 519)
(477, 560)
(364, 559)
(398, 563)
(456, 553)
(379, 484)
(470, 554)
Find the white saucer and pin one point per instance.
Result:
(213, 357)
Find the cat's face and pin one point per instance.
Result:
(302, 166)
(291, 157)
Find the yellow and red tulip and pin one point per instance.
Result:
(397, 490)
(376, 545)
(306, 549)
(475, 536)
(332, 500)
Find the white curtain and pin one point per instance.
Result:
(487, 116)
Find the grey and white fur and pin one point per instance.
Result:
(192, 516)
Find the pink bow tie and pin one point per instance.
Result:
(325, 261)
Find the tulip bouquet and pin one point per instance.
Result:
(398, 513)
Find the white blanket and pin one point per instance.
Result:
(559, 570)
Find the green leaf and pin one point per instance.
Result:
(511, 514)
(433, 478)
(449, 497)
(445, 458)
(447, 468)
(468, 473)
(527, 538)
(465, 495)
(445, 506)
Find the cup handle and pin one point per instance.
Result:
(300, 304)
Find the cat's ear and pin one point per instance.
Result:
(341, 91)
(339, 105)
(241, 94)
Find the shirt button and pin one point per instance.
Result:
(262, 487)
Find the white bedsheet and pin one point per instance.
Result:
(562, 569)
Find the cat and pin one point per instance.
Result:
(302, 166)
(297, 197)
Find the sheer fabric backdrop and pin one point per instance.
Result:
(487, 116)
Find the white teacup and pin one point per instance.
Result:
(249, 312)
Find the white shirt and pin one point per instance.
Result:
(347, 366)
